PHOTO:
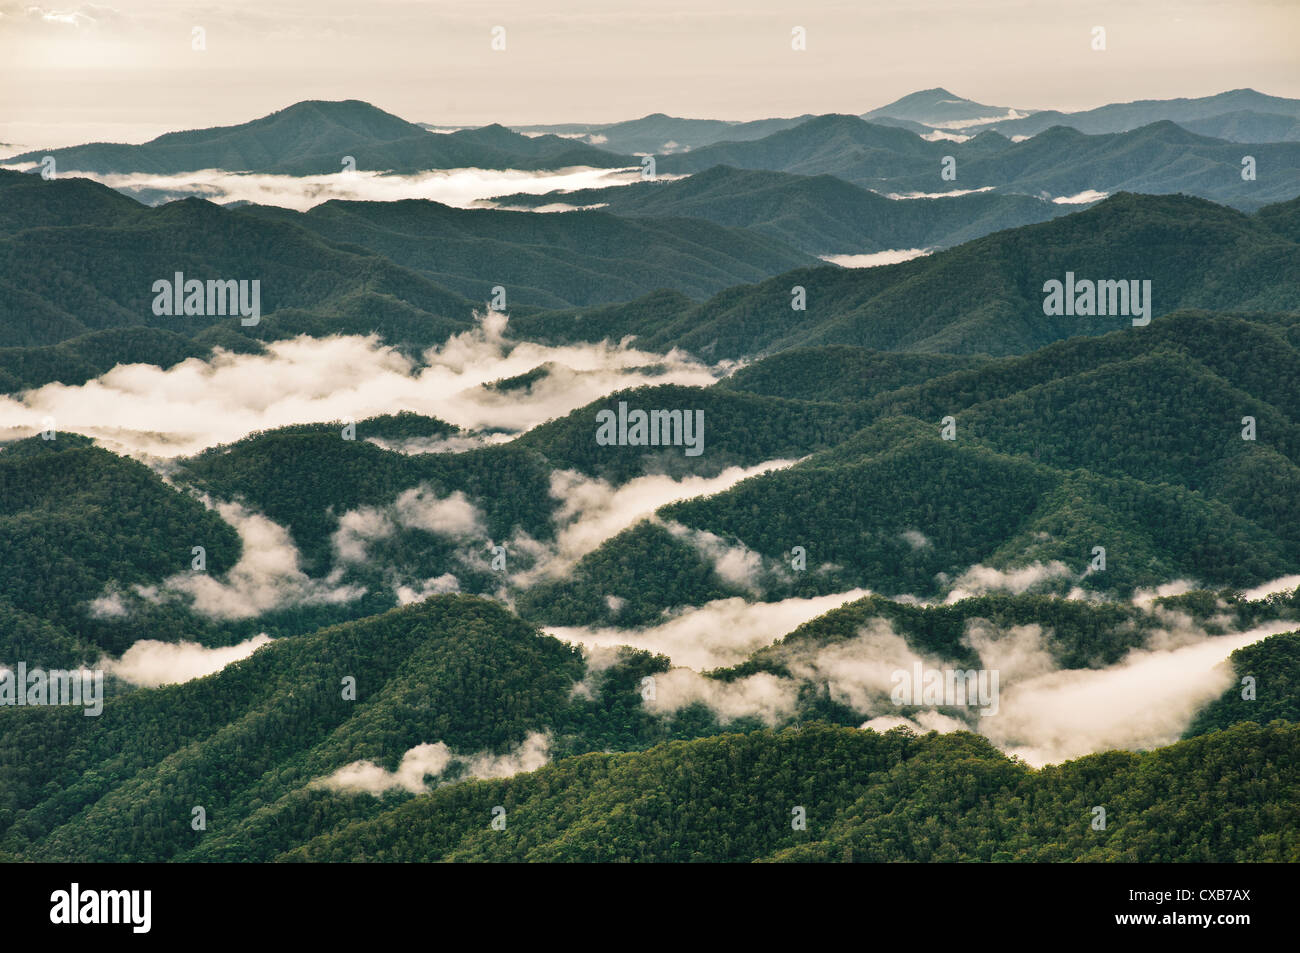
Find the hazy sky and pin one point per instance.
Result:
(128, 70)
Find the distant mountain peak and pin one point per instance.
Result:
(937, 106)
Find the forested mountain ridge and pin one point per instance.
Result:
(820, 214)
(1130, 442)
(987, 296)
(91, 263)
(314, 136)
(578, 258)
(391, 563)
(252, 744)
(1159, 157)
(869, 797)
(78, 278)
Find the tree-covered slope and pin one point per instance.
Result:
(1132, 441)
(987, 296)
(66, 280)
(865, 797)
(579, 258)
(74, 517)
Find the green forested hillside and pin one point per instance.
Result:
(1131, 441)
(64, 281)
(842, 372)
(74, 517)
(866, 797)
(554, 261)
(344, 268)
(1077, 502)
(986, 296)
(740, 429)
(274, 473)
(250, 743)
(1274, 667)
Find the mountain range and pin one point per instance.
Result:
(484, 620)
(314, 137)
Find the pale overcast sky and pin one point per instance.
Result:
(127, 70)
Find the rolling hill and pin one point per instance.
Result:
(330, 270)
(987, 296)
(554, 261)
(821, 214)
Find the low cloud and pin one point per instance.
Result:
(942, 135)
(461, 188)
(876, 259)
(736, 564)
(858, 672)
(431, 760)
(979, 580)
(267, 577)
(1273, 587)
(149, 663)
(142, 409)
(717, 634)
(437, 586)
(759, 696)
(548, 208)
(1042, 714)
(453, 516)
(1080, 198)
(1145, 701)
(903, 196)
(457, 443)
(925, 721)
(592, 511)
(915, 538)
(366, 777)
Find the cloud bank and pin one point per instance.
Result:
(141, 409)
(432, 760)
(149, 663)
(461, 188)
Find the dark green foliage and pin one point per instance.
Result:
(739, 430)
(74, 518)
(629, 581)
(1274, 664)
(840, 372)
(76, 278)
(986, 296)
(556, 261)
(455, 669)
(78, 360)
(1228, 796)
